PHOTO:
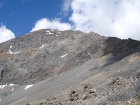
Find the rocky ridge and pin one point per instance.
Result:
(102, 68)
(31, 53)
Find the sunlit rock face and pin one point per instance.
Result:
(50, 61)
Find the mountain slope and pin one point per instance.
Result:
(98, 69)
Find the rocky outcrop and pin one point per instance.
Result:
(39, 55)
(69, 68)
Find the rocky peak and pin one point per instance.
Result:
(40, 54)
(55, 65)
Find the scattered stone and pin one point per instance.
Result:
(117, 82)
(92, 91)
(73, 92)
(51, 98)
(73, 96)
(138, 75)
(86, 96)
(42, 103)
(86, 88)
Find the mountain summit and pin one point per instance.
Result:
(51, 67)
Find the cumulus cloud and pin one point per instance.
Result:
(119, 18)
(66, 7)
(5, 34)
(53, 24)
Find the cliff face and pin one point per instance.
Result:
(35, 56)
(47, 53)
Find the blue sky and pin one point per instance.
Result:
(21, 15)
(117, 18)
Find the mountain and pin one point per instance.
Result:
(51, 67)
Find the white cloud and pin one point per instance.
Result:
(119, 18)
(53, 24)
(5, 34)
(66, 6)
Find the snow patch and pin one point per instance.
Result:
(129, 101)
(48, 32)
(95, 90)
(10, 52)
(12, 90)
(28, 86)
(11, 84)
(56, 35)
(43, 45)
(16, 52)
(58, 48)
(3, 86)
(11, 46)
(64, 55)
(0, 100)
(89, 54)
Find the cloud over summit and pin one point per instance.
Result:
(110, 18)
(5, 34)
(118, 18)
(53, 24)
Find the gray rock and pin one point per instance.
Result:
(66, 59)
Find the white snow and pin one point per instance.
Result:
(48, 32)
(95, 90)
(11, 46)
(89, 54)
(28, 86)
(56, 35)
(10, 52)
(11, 84)
(16, 52)
(129, 101)
(43, 45)
(3, 86)
(58, 48)
(64, 55)
(12, 90)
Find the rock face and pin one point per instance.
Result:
(41, 55)
(44, 54)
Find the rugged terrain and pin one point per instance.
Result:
(51, 67)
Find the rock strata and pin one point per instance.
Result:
(57, 64)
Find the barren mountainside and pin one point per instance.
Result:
(51, 67)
